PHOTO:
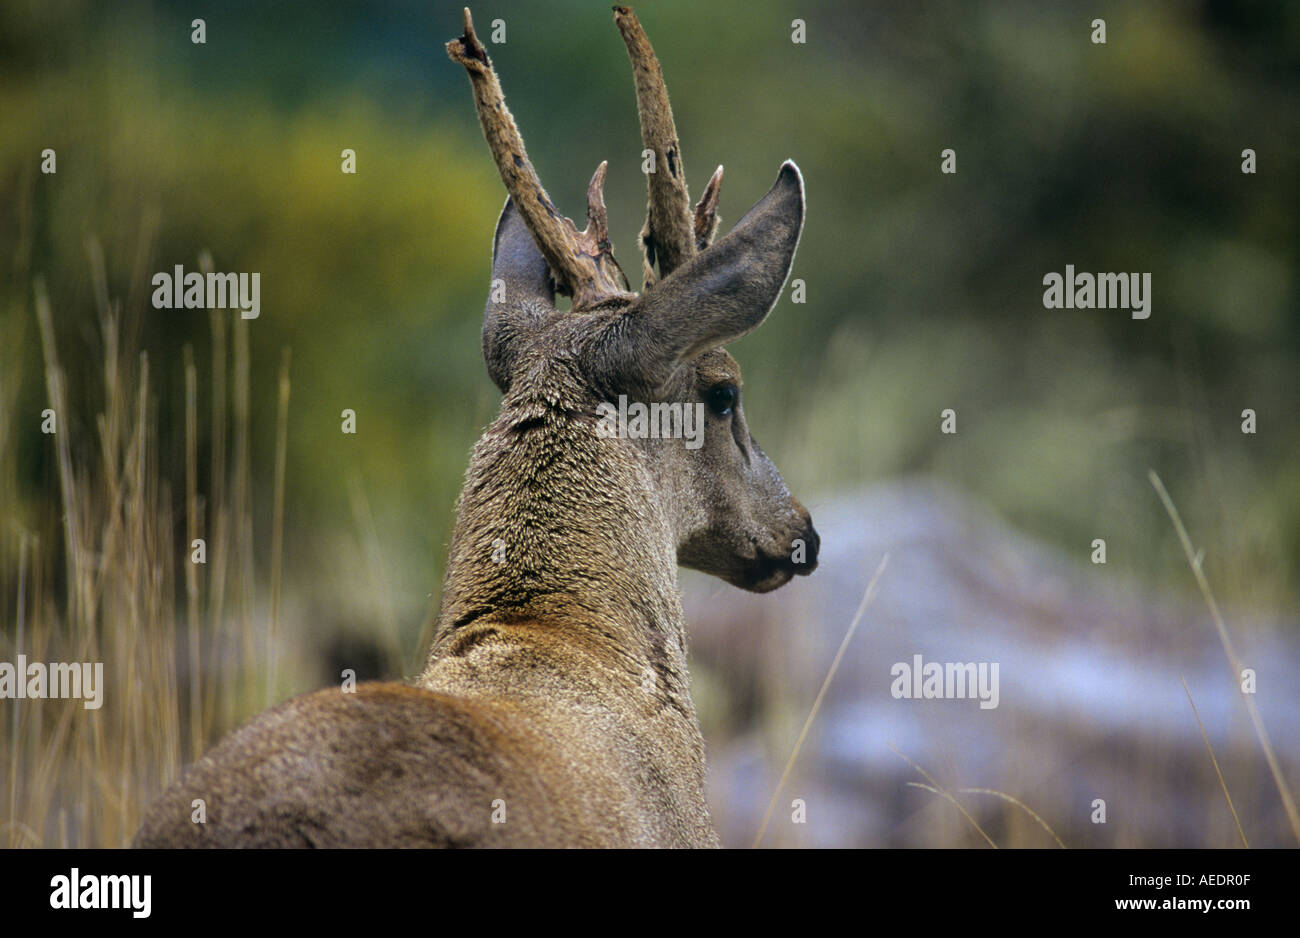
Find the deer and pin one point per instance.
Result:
(555, 709)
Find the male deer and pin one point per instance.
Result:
(555, 708)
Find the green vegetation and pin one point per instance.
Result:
(923, 292)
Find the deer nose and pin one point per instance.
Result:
(813, 541)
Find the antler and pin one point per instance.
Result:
(706, 211)
(672, 234)
(582, 262)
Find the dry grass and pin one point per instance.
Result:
(174, 680)
(1215, 761)
(935, 788)
(1194, 560)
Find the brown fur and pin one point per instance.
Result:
(557, 683)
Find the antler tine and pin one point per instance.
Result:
(668, 236)
(582, 262)
(597, 217)
(706, 211)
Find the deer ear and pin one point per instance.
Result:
(521, 296)
(722, 293)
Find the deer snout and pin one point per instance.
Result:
(813, 541)
(807, 543)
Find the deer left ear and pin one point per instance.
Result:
(724, 292)
(521, 295)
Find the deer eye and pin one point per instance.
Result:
(722, 398)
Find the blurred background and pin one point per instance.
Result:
(924, 292)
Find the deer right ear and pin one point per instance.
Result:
(521, 296)
(720, 294)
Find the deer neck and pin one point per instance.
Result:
(562, 531)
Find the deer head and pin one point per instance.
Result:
(730, 511)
